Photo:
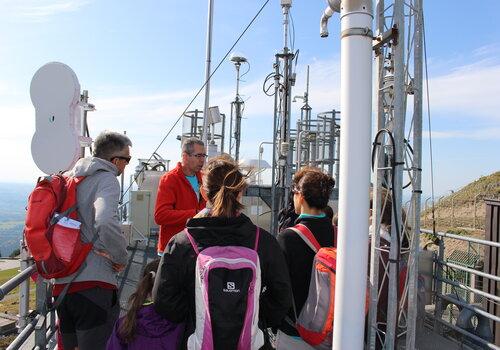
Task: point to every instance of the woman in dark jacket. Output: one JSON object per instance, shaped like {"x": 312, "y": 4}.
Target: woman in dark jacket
{"x": 221, "y": 225}
{"x": 311, "y": 191}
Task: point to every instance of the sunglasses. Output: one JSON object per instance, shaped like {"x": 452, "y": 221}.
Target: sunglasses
{"x": 198, "y": 155}
{"x": 126, "y": 159}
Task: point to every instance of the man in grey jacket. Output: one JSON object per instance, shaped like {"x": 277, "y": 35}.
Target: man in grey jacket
{"x": 90, "y": 308}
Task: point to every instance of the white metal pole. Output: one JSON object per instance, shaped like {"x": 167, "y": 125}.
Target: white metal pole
{"x": 204, "y": 134}
{"x": 356, "y": 105}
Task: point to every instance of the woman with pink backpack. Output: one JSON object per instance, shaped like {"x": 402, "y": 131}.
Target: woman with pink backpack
{"x": 223, "y": 276}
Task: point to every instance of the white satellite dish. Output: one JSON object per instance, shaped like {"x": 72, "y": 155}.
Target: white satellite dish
{"x": 55, "y": 94}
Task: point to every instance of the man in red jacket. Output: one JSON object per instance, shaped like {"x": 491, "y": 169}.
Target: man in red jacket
{"x": 179, "y": 192}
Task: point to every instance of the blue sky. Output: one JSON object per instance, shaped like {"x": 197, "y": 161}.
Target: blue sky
{"x": 143, "y": 61}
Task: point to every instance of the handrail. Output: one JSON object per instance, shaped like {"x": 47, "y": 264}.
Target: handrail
{"x": 467, "y": 334}
{"x": 466, "y": 269}
{"x": 477, "y": 310}
{"x": 15, "y": 281}
{"x": 470, "y": 289}
{"x": 437, "y": 290}
{"x": 26, "y": 332}
{"x": 462, "y": 238}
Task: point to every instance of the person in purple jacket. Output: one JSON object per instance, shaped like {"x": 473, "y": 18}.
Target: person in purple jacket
{"x": 142, "y": 327}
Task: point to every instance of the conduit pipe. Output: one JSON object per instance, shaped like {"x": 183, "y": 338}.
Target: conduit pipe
{"x": 356, "y": 105}
{"x": 333, "y": 6}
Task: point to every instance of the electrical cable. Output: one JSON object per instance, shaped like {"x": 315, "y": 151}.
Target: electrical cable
{"x": 393, "y": 165}
{"x": 199, "y": 91}
{"x": 248, "y": 70}
{"x": 296, "y": 58}
{"x": 429, "y": 121}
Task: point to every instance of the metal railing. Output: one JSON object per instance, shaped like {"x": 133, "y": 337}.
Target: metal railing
{"x": 15, "y": 281}
{"x": 456, "y": 213}
{"x": 42, "y": 320}
{"x": 466, "y": 311}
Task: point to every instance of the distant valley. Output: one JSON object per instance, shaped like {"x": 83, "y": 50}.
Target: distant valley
{"x": 13, "y": 199}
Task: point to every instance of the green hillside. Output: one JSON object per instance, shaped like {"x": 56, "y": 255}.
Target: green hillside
{"x": 463, "y": 210}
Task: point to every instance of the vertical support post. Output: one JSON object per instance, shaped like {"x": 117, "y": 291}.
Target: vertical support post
{"x": 122, "y": 185}
{"x": 230, "y": 147}
{"x": 417, "y": 179}
{"x": 236, "y": 112}
{"x": 331, "y": 144}
{"x": 274, "y": 210}
{"x": 398, "y": 132}
{"x": 355, "y": 99}
{"x": 286, "y": 148}
{"x": 322, "y": 138}
{"x": 237, "y": 132}
{"x": 83, "y": 128}
{"x": 41, "y": 307}
{"x": 453, "y": 210}
{"x": 337, "y": 157}
{"x": 24, "y": 289}
{"x": 376, "y": 210}
{"x": 438, "y": 273}
{"x": 204, "y": 134}
{"x": 223, "y": 133}
{"x": 475, "y": 211}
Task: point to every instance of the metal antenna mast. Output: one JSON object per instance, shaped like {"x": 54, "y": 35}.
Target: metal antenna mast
{"x": 282, "y": 156}
{"x": 204, "y": 134}
{"x": 236, "y": 110}
{"x": 305, "y": 110}
{"x": 398, "y": 50}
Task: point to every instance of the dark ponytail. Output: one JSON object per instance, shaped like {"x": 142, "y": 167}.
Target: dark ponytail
{"x": 127, "y": 329}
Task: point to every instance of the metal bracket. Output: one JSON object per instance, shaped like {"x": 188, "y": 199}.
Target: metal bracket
{"x": 357, "y": 31}
{"x": 381, "y": 40}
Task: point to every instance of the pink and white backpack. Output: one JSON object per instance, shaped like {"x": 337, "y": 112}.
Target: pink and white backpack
{"x": 228, "y": 285}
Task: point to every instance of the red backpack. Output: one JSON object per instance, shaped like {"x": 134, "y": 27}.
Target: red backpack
{"x": 52, "y": 232}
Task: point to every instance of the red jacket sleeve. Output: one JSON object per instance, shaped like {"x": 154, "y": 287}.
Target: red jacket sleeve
{"x": 165, "y": 212}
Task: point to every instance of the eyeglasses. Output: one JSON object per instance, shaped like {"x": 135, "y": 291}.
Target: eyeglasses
{"x": 126, "y": 159}
{"x": 295, "y": 190}
{"x": 198, "y": 155}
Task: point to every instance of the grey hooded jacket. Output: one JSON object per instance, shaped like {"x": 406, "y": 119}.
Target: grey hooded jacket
{"x": 97, "y": 198}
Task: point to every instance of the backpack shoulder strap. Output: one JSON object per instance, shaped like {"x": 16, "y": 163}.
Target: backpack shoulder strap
{"x": 192, "y": 241}
{"x": 334, "y": 228}
{"x": 257, "y": 235}
{"x": 307, "y": 236}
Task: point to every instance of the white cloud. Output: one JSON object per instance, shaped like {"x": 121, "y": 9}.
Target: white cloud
{"x": 487, "y": 51}
{"x": 40, "y": 10}
{"x": 470, "y": 90}
{"x": 473, "y": 134}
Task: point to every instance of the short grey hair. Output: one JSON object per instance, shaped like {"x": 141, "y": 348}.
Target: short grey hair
{"x": 188, "y": 144}
{"x": 108, "y": 144}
